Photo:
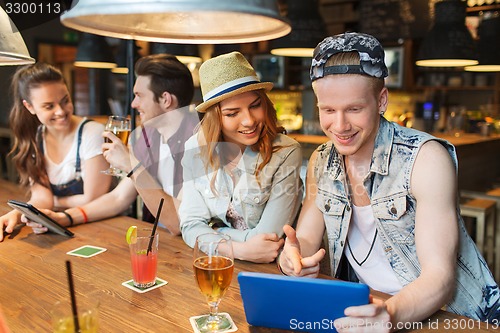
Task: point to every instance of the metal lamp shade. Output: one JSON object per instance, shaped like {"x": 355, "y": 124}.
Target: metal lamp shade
{"x": 186, "y": 53}
{"x": 449, "y": 43}
{"x": 13, "y": 50}
{"x": 94, "y": 52}
{"x": 489, "y": 44}
{"x": 308, "y": 29}
{"x": 179, "y": 21}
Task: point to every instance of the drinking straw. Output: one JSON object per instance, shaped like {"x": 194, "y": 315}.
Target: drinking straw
{"x": 154, "y": 226}
{"x": 72, "y": 294}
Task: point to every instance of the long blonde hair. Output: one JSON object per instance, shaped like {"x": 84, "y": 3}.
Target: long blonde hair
{"x": 211, "y": 130}
{"x": 25, "y": 151}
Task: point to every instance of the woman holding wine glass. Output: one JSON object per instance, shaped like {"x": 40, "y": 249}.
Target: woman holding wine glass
{"x": 57, "y": 154}
{"x": 241, "y": 175}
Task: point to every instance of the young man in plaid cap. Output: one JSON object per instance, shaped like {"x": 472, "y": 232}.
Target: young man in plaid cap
{"x": 387, "y": 198}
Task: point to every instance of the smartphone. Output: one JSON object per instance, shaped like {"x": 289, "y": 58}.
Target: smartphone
{"x": 37, "y": 216}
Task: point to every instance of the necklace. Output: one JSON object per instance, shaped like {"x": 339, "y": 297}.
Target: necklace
{"x": 369, "y": 252}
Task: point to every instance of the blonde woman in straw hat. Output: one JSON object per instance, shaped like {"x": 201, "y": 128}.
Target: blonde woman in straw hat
{"x": 241, "y": 173}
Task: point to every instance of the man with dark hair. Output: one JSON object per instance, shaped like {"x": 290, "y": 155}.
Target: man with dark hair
{"x": 163, "y": 90}
{"x": 386, "y": 196}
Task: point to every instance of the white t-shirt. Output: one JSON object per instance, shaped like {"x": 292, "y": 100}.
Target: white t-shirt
{"x": 91, "y": 146}
{"x": 376, "y": 271}
{"x": 166, "y": 169}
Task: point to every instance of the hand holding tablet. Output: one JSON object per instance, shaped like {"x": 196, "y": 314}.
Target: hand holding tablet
{"x": 288, "y": 302}
{"x": 37, "y": 216}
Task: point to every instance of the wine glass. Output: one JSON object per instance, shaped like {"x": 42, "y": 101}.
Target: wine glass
{"x": 119, "y": 126}
{"x": 213, "y": 265}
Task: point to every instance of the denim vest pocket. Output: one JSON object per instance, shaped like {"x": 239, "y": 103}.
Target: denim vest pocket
{"x": 391, "y": 212}
{"x": 333, "y": 209}
{"x": 390, "y": 208}
{"x": 329, "y": 204}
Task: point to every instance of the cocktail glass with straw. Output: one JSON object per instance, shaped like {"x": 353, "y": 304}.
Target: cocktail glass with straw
{"x": 144, "y": 254}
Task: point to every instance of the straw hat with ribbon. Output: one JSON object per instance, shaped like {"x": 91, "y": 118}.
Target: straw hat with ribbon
{"x": 225, "y": 76}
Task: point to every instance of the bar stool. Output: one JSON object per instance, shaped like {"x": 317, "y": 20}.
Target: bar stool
{"x": 493, "y": 195}
{"x": 483, "y": 211}
{"x": 494, "y": 192}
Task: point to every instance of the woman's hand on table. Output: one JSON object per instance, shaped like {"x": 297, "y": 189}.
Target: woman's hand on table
{"x": 9, "y": 221}
{"x": 59, "y": 217}
{"x": 261, "y": 248}
{"x": 37, "y": 227}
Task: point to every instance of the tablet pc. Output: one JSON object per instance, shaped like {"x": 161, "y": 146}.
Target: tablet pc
{"x": 37, "y": 216}
{"x": 297, "y": 303}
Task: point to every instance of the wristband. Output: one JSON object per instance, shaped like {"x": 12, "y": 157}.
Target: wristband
{"x": 134, "y": 170}
{"x": 69, "y": 218}
{"x": 85, "y": 218}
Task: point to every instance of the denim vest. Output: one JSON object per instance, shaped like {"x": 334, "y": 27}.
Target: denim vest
{"x": 396, "y": 148}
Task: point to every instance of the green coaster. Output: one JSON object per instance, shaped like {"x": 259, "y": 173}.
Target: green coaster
{"x": 198, "y": 321}
{"x": 130, "y": 284}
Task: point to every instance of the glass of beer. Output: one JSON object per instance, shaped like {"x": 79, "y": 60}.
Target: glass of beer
{"x": 119, "y": 126}
{"x": 63, "y": 320}
{"x": 213, "y": 265}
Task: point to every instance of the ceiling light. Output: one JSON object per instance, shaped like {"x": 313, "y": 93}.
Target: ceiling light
{"x": 121, "y": 56}
{"x": 94, "y": 52}
{"x": 179, "y": 21}
{"x": 13, "y": 50}
{"x": 308, "y": 29}
{"x": 488, "y": 45}
{"x": 449, "y": 43}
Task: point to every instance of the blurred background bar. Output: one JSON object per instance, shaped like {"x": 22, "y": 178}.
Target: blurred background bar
{"x": 458, "y": 103}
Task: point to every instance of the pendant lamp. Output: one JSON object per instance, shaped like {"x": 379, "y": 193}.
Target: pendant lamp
{"x": 179, "y": 21}
{"x": 94, "y": 52}
{"x": 488, "y": 45}
{"x": 308, "y": 29}
{"x": 121, "y": 56}
{"x": 13, "y": 50}
{"x": 449, "y": 43}
{"x": 186, "y": 53}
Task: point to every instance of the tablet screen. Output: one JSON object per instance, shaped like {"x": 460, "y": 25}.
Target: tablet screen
{"x": 37, "y": 216}
{"x": 297, "y": 303}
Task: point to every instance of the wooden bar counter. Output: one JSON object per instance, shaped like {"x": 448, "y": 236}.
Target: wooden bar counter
{"x": 34, "y": 277}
